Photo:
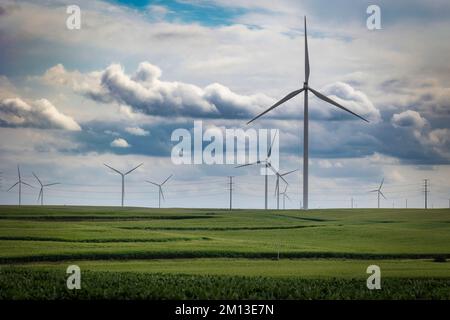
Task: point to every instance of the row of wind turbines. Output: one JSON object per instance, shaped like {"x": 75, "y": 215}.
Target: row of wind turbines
{"x": 40, "y": 198}
{"x": 280, "y": 177}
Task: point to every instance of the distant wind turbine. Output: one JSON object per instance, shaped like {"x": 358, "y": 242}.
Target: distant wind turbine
{"x": 41, "y": 192}
{"x": 267, "y": 165}
{"x": 160, "y": 193}
{"x": 284, "y": 194}
{"x": 277, "y": 185}
{"x": 20, "y": 183}
{"x": 123, "y": 177}
{"x": 291, "y": 95}
{"x": 378, "y": 191}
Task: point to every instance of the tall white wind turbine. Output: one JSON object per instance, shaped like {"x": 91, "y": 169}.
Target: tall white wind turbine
{"x": 19, "y": 183}
{"x": 267, "y": 165}
{"x": 123, "y": 177}
{"x": 41, "y": 192}
{"x": 378, "y": 191}
{"x": 291, "y": 95}
{"x": 160, "y": 191}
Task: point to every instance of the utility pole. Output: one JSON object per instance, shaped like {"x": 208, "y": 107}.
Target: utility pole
{"x": 266, "y": 188}
{"x": 426, "y": 191}
{"x": 231, "y": 191}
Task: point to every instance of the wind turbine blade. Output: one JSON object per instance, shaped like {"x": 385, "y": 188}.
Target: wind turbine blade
{"x": 37, "y": 178}
{"x": 288, "y": 97}
{"x": 162, "y": 193}
{"x": 15, "y": 184}
{"x": 51, "y": 184}
{"x": 306, "y": 55}
{"x": 113, "y": 169}
{"x": 271, "y": 145}
{"x": 326, "y": 99}
{"x": 26, "y": 184}
{"x": 382, "y": 195}
{"x": 374, "y": 190}
{"x": 248, "y": 164}
{"x": 281, "y": 177}
{"x": 167, "y": 179}
{"x": 18, "y": 171}
{"x": 285, "y": 174}
{"x": 269, "y": 165}
{"x": 152, "y": 183}
{"x": 132, "y": 169}
{"x": 287, "y": 196}
{"x": 382, "y": 181}
{"x": 277, "y": 186}
{"x": 40, "y": 194}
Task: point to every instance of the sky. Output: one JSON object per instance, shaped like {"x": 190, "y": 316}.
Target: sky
{"x": 116, "y": 89}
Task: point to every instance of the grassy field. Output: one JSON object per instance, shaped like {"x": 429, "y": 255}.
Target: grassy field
{"x": 318, "y": 254}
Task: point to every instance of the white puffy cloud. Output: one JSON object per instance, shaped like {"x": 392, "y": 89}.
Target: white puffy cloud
{"x": 145, "y": 92}
{"x": 120, "y": 143}
{"x": 42, "y": 114}
{"x": 355, "y": 100}
{"x": 409, "y": 118}
{"x": 137, "y": 131}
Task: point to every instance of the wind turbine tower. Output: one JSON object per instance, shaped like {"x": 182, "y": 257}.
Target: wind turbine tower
{"x": 378, "y": 191}
{"x": 160, "y": 191}
{"x": 277, "y": 185}
{"x": 19, "y": 183}
{"x": 284, "y": 194}
{"x": 41, "y": 192}
{"x": 306, "y": 88}
{"x": 267, "y": 165}
{"x": 123, "y": 177}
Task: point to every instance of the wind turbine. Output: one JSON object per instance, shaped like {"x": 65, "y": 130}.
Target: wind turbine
{"x": 378, "y": 191}
{"x": 267, "y": 165}
{"x": 277, "y": 185}
{"x": 160, "y": 193}
{"x": 123, "y": 177}
{"x": 284, "y": 194}
{"x": 291, "y": 95}
{"x": 41, "y": 192}
{"x": 20, "y": 183}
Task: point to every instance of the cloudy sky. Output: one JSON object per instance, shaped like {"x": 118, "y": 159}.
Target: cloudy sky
{"x": 115, "y": 90}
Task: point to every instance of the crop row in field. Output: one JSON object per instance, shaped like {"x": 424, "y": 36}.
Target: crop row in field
{"x": 44, "y": 285}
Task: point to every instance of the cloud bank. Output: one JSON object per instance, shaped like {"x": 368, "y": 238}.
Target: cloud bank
{"x": 41, "y": 114}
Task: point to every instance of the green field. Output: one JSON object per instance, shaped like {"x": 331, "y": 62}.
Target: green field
{"x": 217, "y": 254}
